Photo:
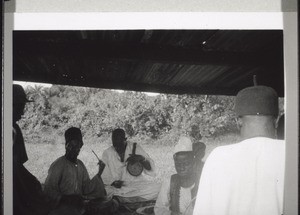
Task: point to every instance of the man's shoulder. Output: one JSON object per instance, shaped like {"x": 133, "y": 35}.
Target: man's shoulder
{"x": 62, "y": 162}
{"x": 229, "y": 151}
{"x": 79, "y": 162}
{"x": 58, "y": 162}
{"x": 221, "y": 154}
{"x": 223, "y": 149}
{"x": 279, "y": 142}
{"x": 262, "y": 141}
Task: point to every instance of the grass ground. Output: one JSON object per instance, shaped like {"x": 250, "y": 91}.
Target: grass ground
{"x": 42, "y": 155}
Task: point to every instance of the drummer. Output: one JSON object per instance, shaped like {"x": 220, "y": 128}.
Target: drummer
{"x": 177, "y": 192}
{"x": 128, "y": 187}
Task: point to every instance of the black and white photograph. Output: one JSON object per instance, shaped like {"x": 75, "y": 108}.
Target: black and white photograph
{"x": 149, "y": 121}
{"x": 165, "y": 90}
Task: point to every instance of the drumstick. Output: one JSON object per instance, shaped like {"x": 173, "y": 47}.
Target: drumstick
{"x": 100, "y": 163}
{"x": 96, "y": 155}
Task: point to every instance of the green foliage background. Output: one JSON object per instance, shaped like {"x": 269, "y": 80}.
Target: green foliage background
{"x": 155, "y": 122}
{"x": 147, "y": 118}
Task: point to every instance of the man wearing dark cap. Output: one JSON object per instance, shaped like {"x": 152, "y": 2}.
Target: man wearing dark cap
{"x": 247, "y": 177}
{"x": 68, "y": 182}
{"x": 28, "y": 198}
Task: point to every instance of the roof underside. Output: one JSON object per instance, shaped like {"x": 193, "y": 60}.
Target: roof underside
{"x": 219, "y": 62}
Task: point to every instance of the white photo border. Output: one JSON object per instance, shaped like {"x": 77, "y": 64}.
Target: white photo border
{"x": 286, "y": 21}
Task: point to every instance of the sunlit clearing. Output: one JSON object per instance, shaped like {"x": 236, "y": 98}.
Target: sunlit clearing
{"x": 152, "y": 94}
{"x": 119, "y": 91}
{"x": 147, "y": 93}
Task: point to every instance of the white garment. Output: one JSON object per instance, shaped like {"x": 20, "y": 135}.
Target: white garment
{"x": 162, "y": 205}
{"x": 133, "y": 185}
{"x": 246, "y": 178}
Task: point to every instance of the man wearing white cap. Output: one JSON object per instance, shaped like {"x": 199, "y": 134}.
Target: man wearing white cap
{"x": 177, "y": 193}
{"x": 246, "y": 178}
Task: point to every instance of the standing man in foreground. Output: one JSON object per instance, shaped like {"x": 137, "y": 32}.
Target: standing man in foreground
{"x": 28, "y": 198}
{"x": 248, "y": 177}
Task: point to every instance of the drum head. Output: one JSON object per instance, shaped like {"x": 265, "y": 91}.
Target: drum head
{"x": 135, "y": 169}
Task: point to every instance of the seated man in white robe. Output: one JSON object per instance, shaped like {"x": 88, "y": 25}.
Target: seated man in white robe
{"x": 178, "y": 192}
{"x": 127, "y": 186}
{"x": 68, "y": 182}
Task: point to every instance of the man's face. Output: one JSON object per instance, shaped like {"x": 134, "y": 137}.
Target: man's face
{"x": 18, "y": 111}
{"x": 119, "y": 143}
{"x": 184, "y": 162}
{"x": 73, "y": 148}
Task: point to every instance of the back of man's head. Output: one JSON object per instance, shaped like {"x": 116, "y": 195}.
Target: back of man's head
{"x": 257, "y": 100}
{"x": 19, "y": 95}
{"x": 19, "y": 101}
{"x": 258, "y": 108}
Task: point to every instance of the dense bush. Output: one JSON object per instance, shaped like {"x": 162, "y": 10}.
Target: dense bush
{"x": 98, "y": 111}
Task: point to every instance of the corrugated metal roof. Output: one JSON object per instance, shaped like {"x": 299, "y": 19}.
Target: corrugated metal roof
{"x": 167, "y": 61}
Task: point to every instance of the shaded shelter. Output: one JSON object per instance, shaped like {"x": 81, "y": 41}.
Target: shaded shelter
{"x": 216, "y": 62}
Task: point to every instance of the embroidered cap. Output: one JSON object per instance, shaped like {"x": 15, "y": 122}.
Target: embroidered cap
{"x": 184, "y": 145}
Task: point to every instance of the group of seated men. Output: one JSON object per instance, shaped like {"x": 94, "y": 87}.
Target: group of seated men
{"x": 68, "y": 182}
{"x": 68, "y": 186}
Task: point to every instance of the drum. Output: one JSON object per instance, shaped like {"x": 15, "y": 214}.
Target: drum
{"x": 134, "y": 168}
